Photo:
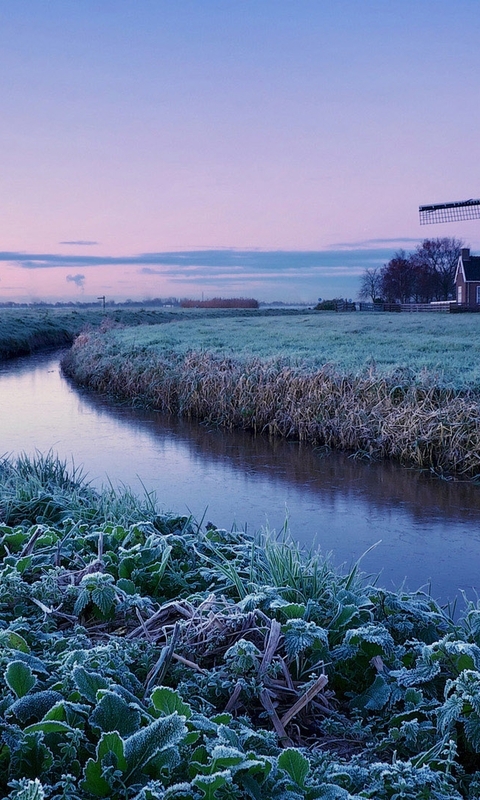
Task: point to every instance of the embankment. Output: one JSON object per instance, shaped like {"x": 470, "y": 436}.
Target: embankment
{"x": 27, "y": 330}
{"x": 376, "y": 416}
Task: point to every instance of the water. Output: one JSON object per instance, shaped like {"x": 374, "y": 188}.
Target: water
{"x": 426, "y": 531}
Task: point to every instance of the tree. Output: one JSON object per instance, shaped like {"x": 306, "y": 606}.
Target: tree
{"x": 422, "y": 276}
{"x": 398, "y": 279}
{"x": 371, "y": 284}
{"x": 438, "y": 258}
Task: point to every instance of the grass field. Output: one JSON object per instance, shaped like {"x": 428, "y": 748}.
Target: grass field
{"x": 378, "y": 386}
{"x": 446, "y": 345}
{"x": 25, "y": 330}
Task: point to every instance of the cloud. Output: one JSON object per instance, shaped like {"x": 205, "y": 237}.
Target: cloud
{"x": 78, "y": 279}
{"x": 401, "y": 240}
{"x": 257, "y": 260}
{"x": 82, "y": 242}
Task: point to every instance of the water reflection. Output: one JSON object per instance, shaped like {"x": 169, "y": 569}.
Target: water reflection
{"x": 429, "y": 529}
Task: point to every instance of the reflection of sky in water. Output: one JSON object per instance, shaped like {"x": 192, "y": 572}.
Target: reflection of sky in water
{"x": 429, "y": 530}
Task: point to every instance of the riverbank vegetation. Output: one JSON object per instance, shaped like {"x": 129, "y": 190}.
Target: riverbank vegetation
{"x": 146, "y": 657}
{"x": 377, "y": 387}
{"x": 26, "y": 330}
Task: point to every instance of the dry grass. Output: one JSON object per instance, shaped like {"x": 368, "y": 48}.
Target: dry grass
{"x": 398, "y": 416}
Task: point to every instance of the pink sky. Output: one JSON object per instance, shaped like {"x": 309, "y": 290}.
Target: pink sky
{"x": 266, "y": 125}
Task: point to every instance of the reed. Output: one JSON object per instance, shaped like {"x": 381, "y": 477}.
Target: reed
{"x": 400, "y": 415}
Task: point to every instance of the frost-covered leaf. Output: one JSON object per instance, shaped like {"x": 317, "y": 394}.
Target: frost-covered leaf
{"x": 19, "y": 678}
{"x": 167, "y": 701}
{"x": 295, "y": 764}
{"x": 48, "y": 726}
{"x": 88, "y": 683}
{"x": 34, "y": 706}
{"x": 147, "y": 743}
{"x": 299, "y": 635}
{"x": 376, "y": 635}
{"x": 112, "y": 713}
{"x": 110, "y": 749}
{"x": 423, "y": 672}
{"x": 209, "y": 784}
{"x": 472, "y": 730}
{"x": 375, "y": 697}
{"x": 449, "y": 713}
{"x": 13, "y": 640}
{"x": 33, "y": 790}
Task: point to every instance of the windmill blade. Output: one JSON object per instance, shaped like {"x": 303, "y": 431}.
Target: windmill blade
{"x": 450, "y": 212}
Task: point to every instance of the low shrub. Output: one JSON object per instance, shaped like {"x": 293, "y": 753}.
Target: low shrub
{"x": 156, "y": 659}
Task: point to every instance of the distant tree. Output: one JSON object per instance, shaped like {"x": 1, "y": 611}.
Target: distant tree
{"x": 398, "y": 279}
{"x": 371, "y": 284}
{"x": 437, "y": 259}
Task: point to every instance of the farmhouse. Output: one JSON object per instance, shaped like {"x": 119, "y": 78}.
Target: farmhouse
{"x": 467, "y": 279}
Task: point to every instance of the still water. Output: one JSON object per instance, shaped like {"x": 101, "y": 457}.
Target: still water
{"x": 426, "y": 531}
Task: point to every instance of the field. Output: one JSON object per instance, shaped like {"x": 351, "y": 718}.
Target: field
{"x": 380, "y": 386}
{"x": 146, "y": 658}
{"x": 447, "y": 346}
{"x": 25, "y": 330}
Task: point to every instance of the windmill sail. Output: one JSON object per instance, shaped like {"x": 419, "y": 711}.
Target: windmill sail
{"x": 450, "y": 212}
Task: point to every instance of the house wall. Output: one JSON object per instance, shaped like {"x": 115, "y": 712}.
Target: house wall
{"x": 469, "y": 290}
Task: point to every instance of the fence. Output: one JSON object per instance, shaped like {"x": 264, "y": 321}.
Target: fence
{"x": 443, "y": 306}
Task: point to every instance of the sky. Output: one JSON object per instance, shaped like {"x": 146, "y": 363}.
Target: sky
{"x": 259, "y": 148}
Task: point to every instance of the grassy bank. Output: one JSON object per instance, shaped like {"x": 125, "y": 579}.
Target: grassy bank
{"x": 26, "y": 330}
{"x": 252, "y": 373}
{"x": 145, "y": 657}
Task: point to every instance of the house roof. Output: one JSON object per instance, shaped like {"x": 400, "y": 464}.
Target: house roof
{"x": 471, "y": 268}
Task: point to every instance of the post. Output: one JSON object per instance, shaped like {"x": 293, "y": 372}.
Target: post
{"x": 102, "y": 298}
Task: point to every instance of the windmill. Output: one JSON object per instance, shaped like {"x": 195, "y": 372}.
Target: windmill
{"x": 449, "y": 212}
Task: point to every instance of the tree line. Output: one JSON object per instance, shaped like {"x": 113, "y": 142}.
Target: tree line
{"x": 426, "y": 274}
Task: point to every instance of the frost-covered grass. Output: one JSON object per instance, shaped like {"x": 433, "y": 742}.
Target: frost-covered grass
{"x": 447, "y": 345}
{"x": 25, "y": 330}
{"x": 415, "y": 418}
{"x": 149, "y": 658}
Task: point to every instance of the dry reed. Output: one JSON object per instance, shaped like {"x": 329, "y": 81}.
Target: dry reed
{"x": 399, "y": 416}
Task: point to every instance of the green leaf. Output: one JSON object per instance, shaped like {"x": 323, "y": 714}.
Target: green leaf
{"x": 126, "y": 586}
{"x": 88, "y": 683}
{"x": 295, "y": 764}
{"x": 48, "y": 726}
{"x": 104, "y": 598}
{"x": 114, "y": 714}
{"x": 19, "y": 678}
{"x": 110, "y": 745}
{"x": 147, "y": 743}
{"x": 167, "y": 701}
{"x": 34, "y": 706}
{"x": 375, "y": 697}
{"x": 208, "y": 784}
{"x": 14, "y": 641}
{"x": 472, "y": 731}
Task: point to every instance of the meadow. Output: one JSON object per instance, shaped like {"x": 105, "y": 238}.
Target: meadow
{"x": 446, "y": 346}
{"x": 147, "y": 658}
{"x": 394, "y": 386}
{"x": 26, "y": 330}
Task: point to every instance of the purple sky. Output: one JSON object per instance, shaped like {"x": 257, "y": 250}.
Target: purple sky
{"x": 266, "y": 148}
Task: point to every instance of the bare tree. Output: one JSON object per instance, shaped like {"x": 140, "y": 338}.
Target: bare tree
{"x": 439, "y": 259}
{"x": 371, "y": 284}
{"x": 399, "y": 279}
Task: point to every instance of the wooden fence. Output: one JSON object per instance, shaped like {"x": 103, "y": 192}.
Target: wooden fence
{"x": 443, "y": 307}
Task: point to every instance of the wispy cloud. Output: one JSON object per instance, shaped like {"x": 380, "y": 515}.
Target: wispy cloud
{"x": 78, "y": 279}
{"x": 368, "y": 243}
{"x": 257, "y": 260}
{"x": 81, "y": 242}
